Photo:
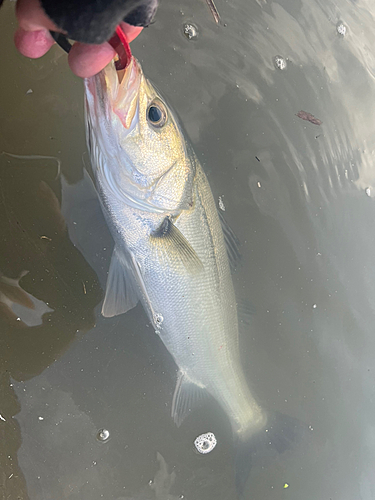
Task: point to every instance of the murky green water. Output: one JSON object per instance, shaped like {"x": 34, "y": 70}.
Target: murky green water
{"x": 299, "y": 196}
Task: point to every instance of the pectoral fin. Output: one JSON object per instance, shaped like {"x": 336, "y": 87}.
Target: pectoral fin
{"x": 122, "y": 291}
{"x": 186, "y": 395}
{"x": 172, "y": 246}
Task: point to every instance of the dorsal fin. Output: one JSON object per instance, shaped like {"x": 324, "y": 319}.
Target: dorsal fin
{"x": 231, "y": 242}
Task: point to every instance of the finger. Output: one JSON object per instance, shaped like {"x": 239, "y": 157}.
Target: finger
{"x": 31, "y": 16}
{"x": 87, "y": 60}
{"x": 33, "y": 44}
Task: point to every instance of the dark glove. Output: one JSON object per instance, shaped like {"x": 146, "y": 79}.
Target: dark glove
{"x": 94, "y": 21}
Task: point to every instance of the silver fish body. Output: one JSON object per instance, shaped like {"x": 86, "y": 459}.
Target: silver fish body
{"x": 170, "y": 251}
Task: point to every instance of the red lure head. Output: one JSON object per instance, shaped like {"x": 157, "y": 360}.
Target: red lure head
{"x": 122, "y": 47}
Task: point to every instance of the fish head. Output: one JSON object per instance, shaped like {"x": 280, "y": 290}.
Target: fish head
{"x": 136, "y": 145}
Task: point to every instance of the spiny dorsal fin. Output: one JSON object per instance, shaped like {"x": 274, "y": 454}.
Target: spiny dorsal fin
{"x": 245, "y": 312}
{"x": 231, "y": 242}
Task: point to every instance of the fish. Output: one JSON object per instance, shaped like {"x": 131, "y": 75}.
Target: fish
{"x": 169, "y": 251}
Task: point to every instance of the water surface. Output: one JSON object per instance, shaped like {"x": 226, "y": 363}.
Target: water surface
{"x": 300, "y": 198}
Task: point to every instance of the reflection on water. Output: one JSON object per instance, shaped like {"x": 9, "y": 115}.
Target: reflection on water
{"x": 18, "y": 305}
{"x": 300, "y": 197}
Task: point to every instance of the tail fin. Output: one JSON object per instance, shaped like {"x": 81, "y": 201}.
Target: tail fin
{"x": 279, "y": 435}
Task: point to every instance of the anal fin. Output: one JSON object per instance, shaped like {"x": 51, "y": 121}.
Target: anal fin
{"x": 186, "y": 395}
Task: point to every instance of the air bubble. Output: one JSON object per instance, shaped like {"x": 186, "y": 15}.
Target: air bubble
{"x": 205, "y": 443}
{"x": 341, "y": 28}
{"x": 279, "y": 62}
{"x": 103, "y": 435}
{"x": 158, "y": 320}
{"x": 368, "y": 191}
{"x": 190, "y": 31}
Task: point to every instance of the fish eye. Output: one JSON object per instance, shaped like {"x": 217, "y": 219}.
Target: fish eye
{"x": 157, "y": 114}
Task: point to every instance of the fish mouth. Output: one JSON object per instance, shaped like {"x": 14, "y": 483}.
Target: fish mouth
{"x": 115, "y": 91}
{"x": 125, "y": 103}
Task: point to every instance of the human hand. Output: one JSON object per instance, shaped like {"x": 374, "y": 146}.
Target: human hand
{"x": 33, "y": 39}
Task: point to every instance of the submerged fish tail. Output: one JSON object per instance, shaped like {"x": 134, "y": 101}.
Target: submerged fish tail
{"x": 280, "y": 434}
